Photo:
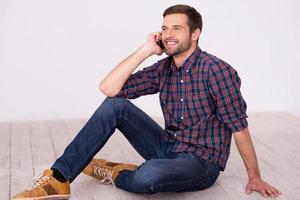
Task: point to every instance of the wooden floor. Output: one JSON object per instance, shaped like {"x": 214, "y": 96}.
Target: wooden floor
{"x": 27, "y": 148}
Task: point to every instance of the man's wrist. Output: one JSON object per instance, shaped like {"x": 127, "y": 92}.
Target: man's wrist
{"x": 145, "y": 50}
{"x": 254, "y": 177}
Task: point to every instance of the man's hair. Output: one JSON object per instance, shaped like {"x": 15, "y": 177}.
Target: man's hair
{"x": 194, "y": 17}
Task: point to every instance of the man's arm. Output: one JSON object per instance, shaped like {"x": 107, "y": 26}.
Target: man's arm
{"x": 116, "y": 78}
{"x": 246, "y": 149}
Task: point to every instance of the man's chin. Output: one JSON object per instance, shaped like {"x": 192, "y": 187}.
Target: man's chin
{"x": 171, "y": 53}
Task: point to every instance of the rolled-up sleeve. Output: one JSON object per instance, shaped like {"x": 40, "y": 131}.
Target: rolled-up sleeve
{"x": 224, "y": 86}
{"x": 143, "y": 82}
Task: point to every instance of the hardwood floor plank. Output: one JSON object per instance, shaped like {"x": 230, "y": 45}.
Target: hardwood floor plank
{"x": 21, "y": 166}
{"x": 280, "y": 163}
{"x": 42, "y": 149}
{"x": 280, "y": 144}
{"x": 4, "y": 160}
{"x": 275, "y": 123}
{"x": 60, "y": 135}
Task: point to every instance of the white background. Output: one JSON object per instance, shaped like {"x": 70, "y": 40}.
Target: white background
{"x": 53, "y": 53}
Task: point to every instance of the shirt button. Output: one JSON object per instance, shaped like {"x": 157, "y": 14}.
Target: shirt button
{"x": 175, "y": 134}
{"x": 181, "y": 117}
{"x": 181, "y": 81}
{"x": 187, "y": 70}
{"x": 181, "y": 99}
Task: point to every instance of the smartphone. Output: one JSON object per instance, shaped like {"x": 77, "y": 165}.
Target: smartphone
{"x": 160, "y": 44}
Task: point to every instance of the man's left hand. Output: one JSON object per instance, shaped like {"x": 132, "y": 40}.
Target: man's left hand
{"x": 262, "y": 187}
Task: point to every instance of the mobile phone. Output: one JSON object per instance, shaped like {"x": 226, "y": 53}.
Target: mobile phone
{"x": 160, "y": 44}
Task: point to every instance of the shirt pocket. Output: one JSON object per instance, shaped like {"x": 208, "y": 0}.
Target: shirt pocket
{"x": 198, "y": 108}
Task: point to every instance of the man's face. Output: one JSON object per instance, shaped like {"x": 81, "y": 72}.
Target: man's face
{"x": 176, "y": 35}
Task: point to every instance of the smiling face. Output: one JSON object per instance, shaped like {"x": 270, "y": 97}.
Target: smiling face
{"x": 176, "y": 35}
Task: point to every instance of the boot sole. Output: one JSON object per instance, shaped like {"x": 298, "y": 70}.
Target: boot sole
{"x": 52, "y": 197}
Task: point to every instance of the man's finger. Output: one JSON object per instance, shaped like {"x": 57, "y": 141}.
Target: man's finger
{"x": 275, "y": 191}
{"x": 157, "y": 35}
{"x": 271, "y": 192}
{"x": 264, "y": 193}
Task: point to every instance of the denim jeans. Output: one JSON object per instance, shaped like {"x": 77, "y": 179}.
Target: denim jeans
{"x": 162, "y": 171}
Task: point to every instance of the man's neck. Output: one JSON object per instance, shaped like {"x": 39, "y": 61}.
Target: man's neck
{"x": 180, "y": 58}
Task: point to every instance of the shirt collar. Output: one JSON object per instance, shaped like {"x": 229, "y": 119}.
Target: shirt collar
{"x": 188, "y": 63}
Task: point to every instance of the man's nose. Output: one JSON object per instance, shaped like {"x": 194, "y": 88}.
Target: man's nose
{"x": 167, "y": 34}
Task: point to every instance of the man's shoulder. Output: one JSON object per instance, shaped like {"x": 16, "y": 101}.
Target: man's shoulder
{"x": 212, "y": 59}
{"x": 215, "y": 63}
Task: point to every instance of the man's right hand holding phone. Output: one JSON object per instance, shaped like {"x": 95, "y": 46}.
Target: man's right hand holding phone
{"x": 154, "y": 43}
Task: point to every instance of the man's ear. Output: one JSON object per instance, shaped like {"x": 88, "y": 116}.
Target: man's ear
{"x": 196, "y": 34}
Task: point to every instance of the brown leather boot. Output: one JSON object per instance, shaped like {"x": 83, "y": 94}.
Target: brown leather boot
{"x": 45, "y": 187}
{"x": 106, "y": 171}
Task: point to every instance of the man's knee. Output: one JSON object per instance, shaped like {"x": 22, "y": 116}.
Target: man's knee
{"x": 148, "y": 180}
{"x": 116, "y": 101}
{"x": 113, "y": 103}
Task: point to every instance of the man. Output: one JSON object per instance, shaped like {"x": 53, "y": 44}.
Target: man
{"x": 202, "y": 106}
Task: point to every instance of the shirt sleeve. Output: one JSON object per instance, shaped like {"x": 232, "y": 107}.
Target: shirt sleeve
{"x": 224, "y": 86}
{"x": 143, "y": 82}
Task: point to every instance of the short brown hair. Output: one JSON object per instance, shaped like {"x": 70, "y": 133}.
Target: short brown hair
{"x": 194, "y": 17}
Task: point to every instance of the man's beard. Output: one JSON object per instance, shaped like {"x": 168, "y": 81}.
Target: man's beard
{"x": 180, "y": 49}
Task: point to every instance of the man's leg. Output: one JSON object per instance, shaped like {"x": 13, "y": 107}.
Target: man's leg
{"x": 142, "y": 132}
{"x": 145, "y": 135}
{"x": 178, "y": 172}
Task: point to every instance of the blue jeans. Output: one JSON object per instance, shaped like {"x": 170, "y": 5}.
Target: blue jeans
{"x": 163, "y": 170}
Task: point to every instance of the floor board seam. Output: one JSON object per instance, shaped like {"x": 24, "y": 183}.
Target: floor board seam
{"x": 9, "y": 162}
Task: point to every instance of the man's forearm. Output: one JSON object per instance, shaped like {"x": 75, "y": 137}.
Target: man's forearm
{"x": 116, "y": 78}
{"x": 247, "y": 152}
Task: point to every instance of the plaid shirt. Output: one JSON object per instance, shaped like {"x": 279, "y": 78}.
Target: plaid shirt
{"x": 201, "y": 103}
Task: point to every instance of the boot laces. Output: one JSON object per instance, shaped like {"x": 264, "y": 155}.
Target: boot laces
{"x": 38, "y": 181}
{"x": 105, "y": 174}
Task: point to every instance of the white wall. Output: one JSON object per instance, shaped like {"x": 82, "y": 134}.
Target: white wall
{"x": 53, "y": 53}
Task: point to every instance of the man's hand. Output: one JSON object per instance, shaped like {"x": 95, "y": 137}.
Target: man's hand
{"x": 151, "y": 44}
{"x": 262, "y": 187}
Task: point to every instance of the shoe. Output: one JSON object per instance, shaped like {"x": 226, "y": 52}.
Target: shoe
{"x": 106, "y": 171}
{"x": 45, "y": 187}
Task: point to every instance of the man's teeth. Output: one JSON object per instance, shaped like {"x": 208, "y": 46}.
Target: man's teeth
{"x": 171, "y": 43}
